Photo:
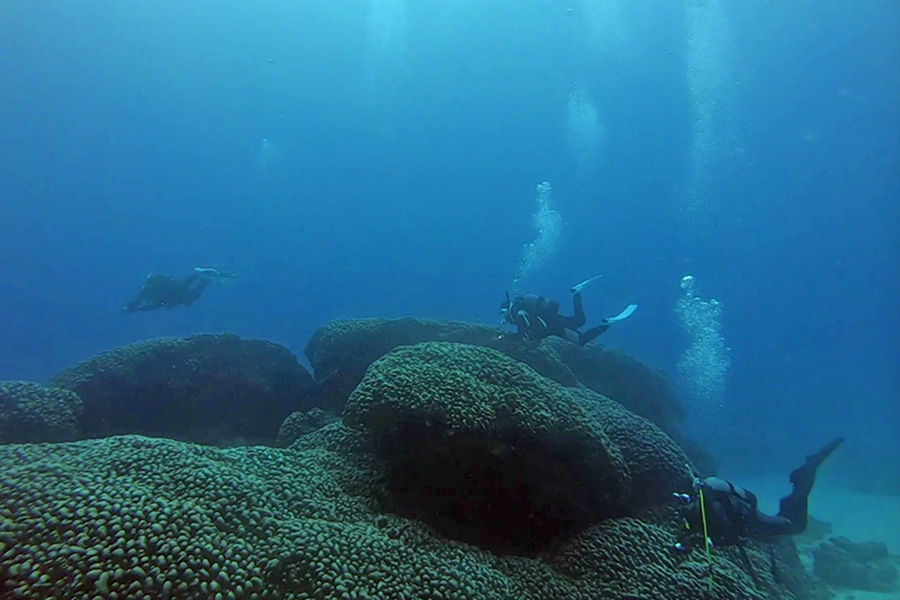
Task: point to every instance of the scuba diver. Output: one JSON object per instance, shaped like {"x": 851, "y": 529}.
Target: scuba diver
{"x": 162, "y": 291}
{"x": 537, "y": 317}
{"x": 724, "y": 514}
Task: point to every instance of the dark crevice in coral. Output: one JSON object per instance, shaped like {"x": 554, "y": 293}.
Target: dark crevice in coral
{"x": 509, "y": 495}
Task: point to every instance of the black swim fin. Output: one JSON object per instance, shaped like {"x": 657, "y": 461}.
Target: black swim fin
{"x": 804, "y": 477}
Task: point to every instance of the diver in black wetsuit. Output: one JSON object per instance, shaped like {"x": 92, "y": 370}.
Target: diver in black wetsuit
{"x": 732, "y": 515}
{"x": 162, "y": 291}
{"x": 537, "y": 317}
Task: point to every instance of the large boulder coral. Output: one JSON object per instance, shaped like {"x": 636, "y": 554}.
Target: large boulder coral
{"x": 137, "y": 518}
{"x": 488, "y": 450}
{"x": 30, "y": 412}
{"x": 213, "y": 389}
{"x": 634, "y": 385}
{"x": 341, "y": 351}
{"x": 639, "y": 388}
{"x": 656, "y": 464}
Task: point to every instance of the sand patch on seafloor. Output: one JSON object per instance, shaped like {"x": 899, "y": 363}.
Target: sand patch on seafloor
{"x": 840, "y": 594}
{"x": 857, "y": 516}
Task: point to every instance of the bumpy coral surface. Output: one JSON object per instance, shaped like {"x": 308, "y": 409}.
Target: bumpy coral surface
{"x": 216, "y": 389}
{"x": 341, "y": 351}
{"x": 636, "y": 386}
{"x": 30, "y": 412}
{"x": 300, "y": 423}
{"x": 138, "y": 518}
{"x": 466, "y": 476}
{"x": 501, "y": 456}
{"x": 657, "y": 466}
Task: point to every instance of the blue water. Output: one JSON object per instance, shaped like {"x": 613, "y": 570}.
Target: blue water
{"x": 355, "y": 159}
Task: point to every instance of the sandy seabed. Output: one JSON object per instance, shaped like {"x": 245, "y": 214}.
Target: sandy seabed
{"x": 857, "y": 516}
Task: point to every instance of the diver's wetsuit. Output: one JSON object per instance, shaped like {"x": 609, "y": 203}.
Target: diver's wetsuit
{"x": 732, "y": 515}
{"x": 537, "y": 317}
{"x": 162, "y": 291}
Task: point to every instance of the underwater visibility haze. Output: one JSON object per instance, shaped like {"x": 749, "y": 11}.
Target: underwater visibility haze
{"x": 730, "y": 168}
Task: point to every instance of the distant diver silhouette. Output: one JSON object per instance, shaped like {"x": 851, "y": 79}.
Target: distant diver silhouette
{"x": 162, "y": 291}
{"x": 537, "y": 317}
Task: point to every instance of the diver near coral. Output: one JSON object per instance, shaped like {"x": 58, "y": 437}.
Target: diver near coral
{"x": 162, "y": 291}
{"x": 537, "y": 317}
{"x": 723, "y": 514}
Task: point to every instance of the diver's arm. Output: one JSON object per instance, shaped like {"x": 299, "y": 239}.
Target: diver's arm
{"x": 524, "y": 325}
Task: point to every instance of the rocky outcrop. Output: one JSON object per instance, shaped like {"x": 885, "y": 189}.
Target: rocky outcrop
{"x": 528, "y": 460}
{"x": 860, "y": 566}
{"x": 211, "y": 389}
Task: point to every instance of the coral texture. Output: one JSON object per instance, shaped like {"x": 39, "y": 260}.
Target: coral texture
{"x": 137, "y": 518}
{"x": 490, "y": 451}
{"x": 214, "y": 389}
{"x": 31, "y": 413}
{"x": 341, "y": 351}
{"x": 464, "y": 474}
{"x": 632, "y": 384}
{"x": 300, "y": 423}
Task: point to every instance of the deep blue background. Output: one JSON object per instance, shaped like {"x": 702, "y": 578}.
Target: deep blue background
{"x": 405, "y": 173}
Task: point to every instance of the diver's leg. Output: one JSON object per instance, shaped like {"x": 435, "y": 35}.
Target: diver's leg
{"x": 570, "y": 335}
{"x": 591, "y": 334}
{"x": 576, "y": 320}
{"x": 794, "y": 506}
{"x": 768, "y": 525}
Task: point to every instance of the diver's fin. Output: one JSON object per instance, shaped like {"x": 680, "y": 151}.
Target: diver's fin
{"x": 804, "y": 477}
{"x": 210, "y": 272}
{"x": 629, "y": 310}
{"x": 824, "y": 452}
{"x": 580, "y": 286}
